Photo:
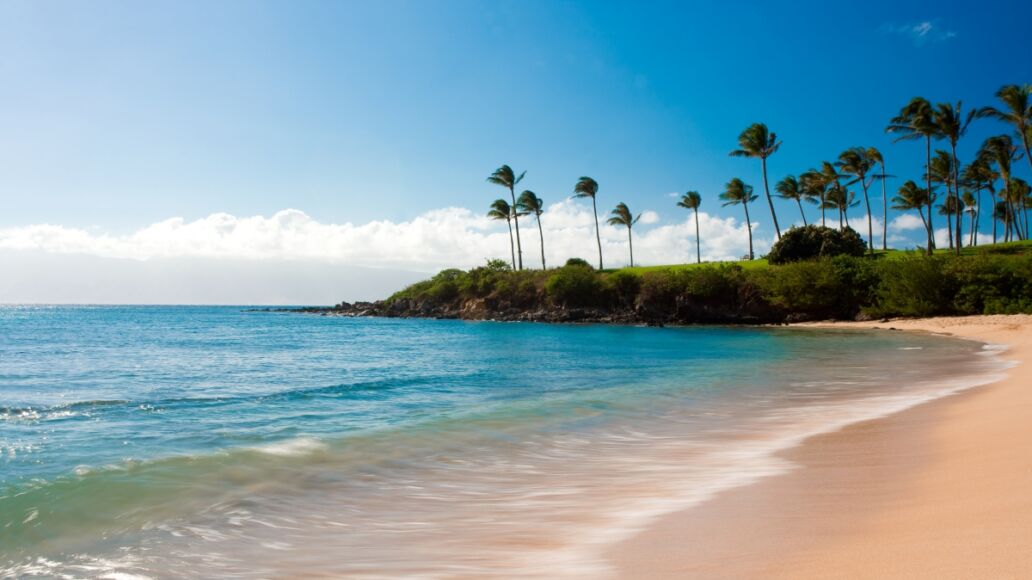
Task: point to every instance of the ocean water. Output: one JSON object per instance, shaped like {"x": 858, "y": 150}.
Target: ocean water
{"x": 186, "y": 442}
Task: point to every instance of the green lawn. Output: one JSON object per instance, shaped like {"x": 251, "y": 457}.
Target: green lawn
{"x": 1011, "y": 248}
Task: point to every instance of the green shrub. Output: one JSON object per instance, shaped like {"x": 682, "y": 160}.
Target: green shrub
{"x": 913, "y": 286}
{"x": 992, "y": 284}
{"x": 579, "y": 262}
{"x": 624, "y": 286}
{"x": 828, "y": 288}
{"x": 810, "y": 242}
{"x": 576, "y": 286}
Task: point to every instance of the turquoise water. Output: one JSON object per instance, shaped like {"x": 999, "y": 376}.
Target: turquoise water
{"x": 211, "y": 441}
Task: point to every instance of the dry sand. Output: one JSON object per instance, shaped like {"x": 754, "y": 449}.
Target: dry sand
{"x": 942, "y": 490}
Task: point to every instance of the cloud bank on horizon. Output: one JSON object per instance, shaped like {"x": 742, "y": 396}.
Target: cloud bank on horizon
{"x": 442, "y": 238}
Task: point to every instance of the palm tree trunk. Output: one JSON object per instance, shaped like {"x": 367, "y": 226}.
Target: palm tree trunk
{"x": 511, "y": 247}
{"x": 770, "y": 201}
{"x": 630, "y": 244}
{"x": 974, "y": 228}
{"x": 949, "y": 218}
{"x": 870, "y": 223}
{"x": 598, "y": 236}
{"x": 977, "y": 216}
{"x": 923, "y": 220}
{"x": 748, "y": 227}
{"x": 992, "y": 214}
{"x": 928, "y": 184}
{"x": 516, "y": 218}
{"x": 956, "y": 190}
{"x": 823, "y": 222}
{"x": 885, "y": 210}
{"x": 698, "y": 243}
{"x": 801, "y": 212}
{"x": 541, "y": 233}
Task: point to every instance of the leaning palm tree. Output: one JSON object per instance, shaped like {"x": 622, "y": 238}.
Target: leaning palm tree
{"x": 737, "y": 192}
{"x": 948, "y": 209}
{"x": 501, "y": 210}
{"x": 878, "y": 158}
{"x": 952, "y": 124}
{"x": 1017, "y": 110}
{"x": 1019, "y": 191}
{"x": 791, "y": 188}
{"x": 911, "y": 196}
{"x": 759, "y": 142}
{"x": 621, "y": 216}
{"x": 941, "y": 171}
{"x": 692, "y": 200}
{"x": 1002, "y": 214}
{"x": 1001, "y": 151}
{"x": 529, "y": 203}
{"x": 858, "y": 163}
{"x": 588, "y": 187}
{"x": 505, "y": 177}
{"x": 915, "y": 121}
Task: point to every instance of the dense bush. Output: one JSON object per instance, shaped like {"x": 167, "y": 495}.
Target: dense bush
{"x": 579, "y": 262}
{"x": 827, "y": 288}
{"x": 811, "y": 242}
{"x": 576, "y": 286}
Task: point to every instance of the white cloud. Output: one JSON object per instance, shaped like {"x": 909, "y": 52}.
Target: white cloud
{"x": 906, "y": 222}
{"x": 449, "y": 237}
{"x": 920, "y": 33}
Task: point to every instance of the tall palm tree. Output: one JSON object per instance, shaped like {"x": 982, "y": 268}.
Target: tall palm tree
{"x": 1001, "y": 151}
{"x": 1017, "y": 110}
{"x": 588, "y": 187}
{"x": 970, "y": 203}
{"x": 815, "y": 185}
{"x": 508, "y": 179}
{"x": 916, "y": 121}
{"x": 692, "y": 200}
{"x": 621, "y": 216}
{"x": 530, "y": 203}
{"x": 878, "y": 158}
{"x": 501, "y": 210}
{"x": 941, "y": 170}
{"x": 737, "y": 192}
{"x": 1019, "y": 191}
{"x": 857, "y": 162}
{"x": 1002, "y": 214}
{"x": 791, "y": 188}
{"x": 952, "y": 124}
{"x": 758, "y": 141}
{"x": 911, "y": 196}
{"x": 949, "y": 208}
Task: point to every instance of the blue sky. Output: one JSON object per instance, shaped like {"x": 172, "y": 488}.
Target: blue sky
{"x": 117, "y": 115}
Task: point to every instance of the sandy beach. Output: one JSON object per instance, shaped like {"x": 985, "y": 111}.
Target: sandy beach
{"x": 941, "y": 490}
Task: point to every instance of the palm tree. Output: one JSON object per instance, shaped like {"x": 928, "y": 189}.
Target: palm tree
{"x": 621, "y": 216}
{"x": 858, "y": 163}
{"x": 915, "y": 121}
{"x": 1019, "y": 191}
{"x": 941, "y": 170}
{"x": 792, "y": 188}
{"x": 692, "y": 200}
{"x": 815, "y": 185}
{"x": 588, "y": 187}
{"x": 501, "y": 210}
{"x": 949, "y": 208}
{"x": 912, "y": 196}
{"x": 952, "y": 124}
{"x": 971, "y": 206}
{"x": 737, "y": 192}
{"x": 1017, "y": 110}
{"x": 980, "y": 176}
{"x": 530, "y": 203}
{"x": 878, "y": 158}
{"x": 1002, "y": 213}
{"x": 1001, "y": 151}
{"x": 505, "y": 177}
{"x": 758, "y": 141}
{"x": 841, "y": 199}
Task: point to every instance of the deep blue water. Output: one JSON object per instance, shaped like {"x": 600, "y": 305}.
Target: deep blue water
{"x": 131, "y": 437}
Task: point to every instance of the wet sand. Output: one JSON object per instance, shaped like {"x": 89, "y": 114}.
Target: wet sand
{"x": 941, "y": 490}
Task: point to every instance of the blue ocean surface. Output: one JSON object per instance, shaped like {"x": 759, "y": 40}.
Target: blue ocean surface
{"x": 183, "y": 442}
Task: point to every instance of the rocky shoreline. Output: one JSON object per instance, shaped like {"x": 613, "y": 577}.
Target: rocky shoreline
{"x": 682, "y": 313}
